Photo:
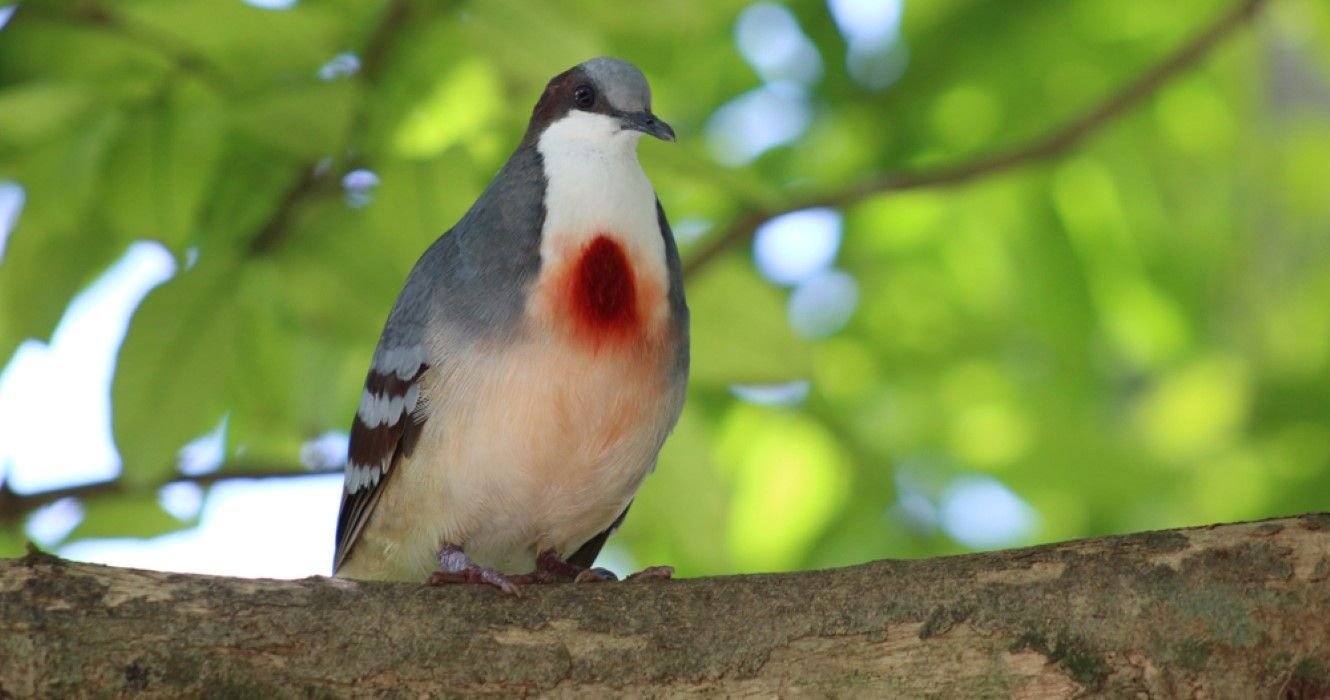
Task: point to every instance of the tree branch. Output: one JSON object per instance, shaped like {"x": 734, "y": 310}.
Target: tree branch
{"x": 96, "y": 14}
{"x": 15, "y": 506}
{"x": 278, "y": 224}
{"x": 1226, "y": 611}
{"x": 307, "y": 183}
{"x": 1057, "y": 142}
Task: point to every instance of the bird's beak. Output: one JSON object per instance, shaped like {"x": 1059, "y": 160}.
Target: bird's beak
{"x": 647, "y": 123}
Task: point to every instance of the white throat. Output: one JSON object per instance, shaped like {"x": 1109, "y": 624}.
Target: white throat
{"x": 595, "y": 187}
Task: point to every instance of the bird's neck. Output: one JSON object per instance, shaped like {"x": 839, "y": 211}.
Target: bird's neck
{"x": 602, "y": 253}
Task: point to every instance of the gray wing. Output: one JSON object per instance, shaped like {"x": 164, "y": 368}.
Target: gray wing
{"x": 386, "y": 427}
{"x": 678, "y": 304}
{"x": 472, "y": 281}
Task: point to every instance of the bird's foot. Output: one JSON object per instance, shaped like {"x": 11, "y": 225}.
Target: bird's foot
{"x": 595, "y": 574}
{"x": 475, "y": 574}
{"x": 652, "y": 572}
{"x": 548, "y": 562}
{"x": 552, "y": 569}
{"x": 456, "y": 567}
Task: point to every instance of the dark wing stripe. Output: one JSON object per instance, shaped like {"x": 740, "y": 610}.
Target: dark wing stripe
{"x": 586, "y": 555}
{"x": 387, "y": 384}
{"x": 371, "y": 447}
{"x": 386, "y": 427}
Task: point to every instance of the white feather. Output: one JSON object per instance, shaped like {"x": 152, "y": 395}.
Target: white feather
{"x": 595, "y": 186}
{"x": 402, "y": 361}
{"x": 352, "y": 478}
{"x": 359, "y": 476}
{"x": 377, "y": 409}
{"x": 411, "y": 399}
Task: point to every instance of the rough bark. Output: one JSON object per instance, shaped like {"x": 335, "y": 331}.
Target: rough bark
{"x": 1229, "y": 611}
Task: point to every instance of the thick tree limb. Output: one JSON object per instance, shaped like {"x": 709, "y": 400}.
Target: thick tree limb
{"x": 1060, "y": 140}
{"x": 1226, "y": 611}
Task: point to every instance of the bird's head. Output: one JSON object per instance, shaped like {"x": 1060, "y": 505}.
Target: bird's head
{"x": 603, "y": 99}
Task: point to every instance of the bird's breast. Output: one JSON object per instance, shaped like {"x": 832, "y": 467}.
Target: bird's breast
{"x": 603, "y": 276}
{"x": 600, "y": 297}
{"x": 603, "y": 285}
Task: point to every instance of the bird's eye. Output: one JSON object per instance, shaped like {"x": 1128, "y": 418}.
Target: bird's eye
{"x": 584, "y": 96}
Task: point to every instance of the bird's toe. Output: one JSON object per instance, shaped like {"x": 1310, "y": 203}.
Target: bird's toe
{"x": 474, "y": 574}
{"x": 595, "y": 575}
{"x": 652, "y": 572}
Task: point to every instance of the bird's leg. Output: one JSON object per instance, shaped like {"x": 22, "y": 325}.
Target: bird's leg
{"x": 551, "y": 569}
{"x": 456, "y": 567}
{"x": 550, "y": 562}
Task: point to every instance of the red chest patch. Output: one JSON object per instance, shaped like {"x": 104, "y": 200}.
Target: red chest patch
{"x": 603, "y": 290}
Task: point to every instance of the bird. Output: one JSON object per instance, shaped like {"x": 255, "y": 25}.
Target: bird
{"x": 533, "y": 364}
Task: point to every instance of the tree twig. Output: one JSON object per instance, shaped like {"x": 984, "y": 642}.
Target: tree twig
{"x": 1058, "y": 141}
{"x": 178, "y": 53}
{"x": 277, "y": 226}
{"x": 14, "y": 506}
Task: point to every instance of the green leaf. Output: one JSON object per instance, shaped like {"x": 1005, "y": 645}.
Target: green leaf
{"x": 791, "y": 477}
{"x": 533, "y": 38}
{"x": 175, "y": 367}
{"x": 457, "y": 108}
{"x": 43, "y": 44}
{"x": 248, "y": 45}
{"x": 125, "y": 515}
{"x": 262, "y": 393}
{"x": 35, "y": 111}
{"x": 215, "y": 341}
{"x": 252, "y": 180}
{"x": 740, "y": 332}
{"x": 163, "y": 166}
{"x": 12, "y": 540}
{"x": 50, "y": 256}
{"x": 308, "y": 119}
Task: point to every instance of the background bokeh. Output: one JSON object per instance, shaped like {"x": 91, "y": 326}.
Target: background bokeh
{"x": 208, "y": 206}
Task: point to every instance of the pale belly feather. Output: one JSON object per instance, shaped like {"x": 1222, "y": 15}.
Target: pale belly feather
{"x": 532, "y": 447}
{"x": 579, "y": 438}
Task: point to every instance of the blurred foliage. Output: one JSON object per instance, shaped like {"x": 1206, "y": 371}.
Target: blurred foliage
{"x": 1133, "y": 336}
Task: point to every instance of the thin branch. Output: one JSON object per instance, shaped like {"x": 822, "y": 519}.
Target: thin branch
{"x": 374, "y": 56}
{"x": 96, "y": 14}
{"x": 277, "y": 227}
{"x": 15, "y": 506}
{"x": 1055, "y": 143}
{"x": 274, "y": 230}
